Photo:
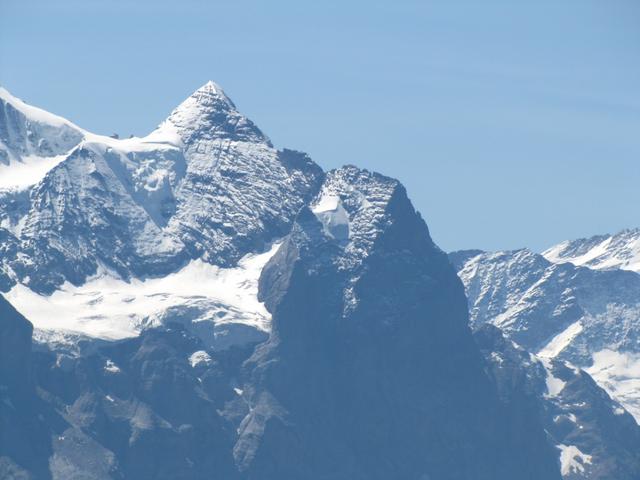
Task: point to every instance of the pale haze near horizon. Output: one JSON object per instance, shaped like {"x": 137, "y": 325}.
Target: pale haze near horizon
{"x": 511, "y": 124}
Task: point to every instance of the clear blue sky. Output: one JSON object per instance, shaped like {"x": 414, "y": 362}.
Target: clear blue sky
{"x": 512, "y": 123}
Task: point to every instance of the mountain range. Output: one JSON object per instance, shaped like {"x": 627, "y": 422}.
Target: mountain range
{"x": 197, "y": 303}
{"x": 555, "y": 306}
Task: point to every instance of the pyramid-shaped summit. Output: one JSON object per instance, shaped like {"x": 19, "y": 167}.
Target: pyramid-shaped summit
{"x": 208, "y": 113}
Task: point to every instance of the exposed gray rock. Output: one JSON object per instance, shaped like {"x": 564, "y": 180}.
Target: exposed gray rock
{"x": 371, "y": 370}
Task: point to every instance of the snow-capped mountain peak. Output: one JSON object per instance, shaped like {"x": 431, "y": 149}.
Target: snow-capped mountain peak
{"x": 214, "y": 87}
{"x": 200, "y": 193}
{"x": 210, "y": 114}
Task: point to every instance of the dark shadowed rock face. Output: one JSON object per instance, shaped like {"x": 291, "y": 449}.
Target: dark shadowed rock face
{"x": 371, "y": 371}
{"x": 24, "y": 428}
{"x": 142, "y": 408}
{"x": 15, "y": 350}
{"x": 148, "y": 407}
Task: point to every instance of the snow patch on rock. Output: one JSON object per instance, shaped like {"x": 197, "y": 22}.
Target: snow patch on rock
{"x": 199, "y": 357}
{"x": 111, "y": 367}
{"x": 572, "y": 460}
{"x": 561, "y": 341}
{"x": 554, "y": 384}
{"x": 333, "y": 216}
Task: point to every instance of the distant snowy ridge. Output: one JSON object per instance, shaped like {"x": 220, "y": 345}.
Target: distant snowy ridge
{"x": 621, "y": 250}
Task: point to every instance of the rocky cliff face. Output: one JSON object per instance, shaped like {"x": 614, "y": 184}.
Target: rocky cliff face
{"x": 141, "y": 408}
{"x": 371, "y": 370}
{"x": 25, "y": 420}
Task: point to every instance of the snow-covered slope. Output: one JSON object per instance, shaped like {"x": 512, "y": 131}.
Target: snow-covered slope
{"x": 27, "y": 131}
{"x": 220, "y": 304}
{"x": 621, "y": 250}
{"x": 32, "y": 142}
{"x": 561, "y": 311}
